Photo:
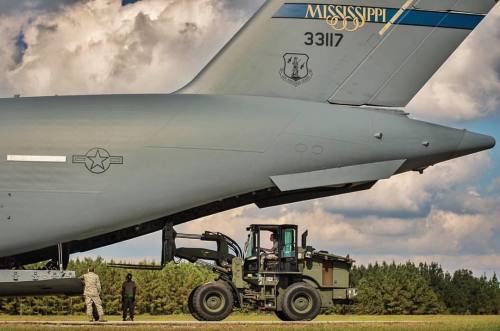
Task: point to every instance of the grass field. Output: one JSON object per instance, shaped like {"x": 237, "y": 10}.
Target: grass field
{"x": 249, "y": 322}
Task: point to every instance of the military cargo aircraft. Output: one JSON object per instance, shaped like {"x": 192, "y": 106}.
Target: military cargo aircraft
{"x": 304, "y": 102}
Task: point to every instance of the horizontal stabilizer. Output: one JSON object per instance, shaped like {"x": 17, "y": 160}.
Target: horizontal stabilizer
{"x": 337, "y": 176}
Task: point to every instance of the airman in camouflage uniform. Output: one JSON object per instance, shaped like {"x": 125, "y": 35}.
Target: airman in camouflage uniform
{"x": 91, "y": 292}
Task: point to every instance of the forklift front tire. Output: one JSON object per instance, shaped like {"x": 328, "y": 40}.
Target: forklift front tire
{"x": 212, "y": 302}
{"x": 301, "y": 302}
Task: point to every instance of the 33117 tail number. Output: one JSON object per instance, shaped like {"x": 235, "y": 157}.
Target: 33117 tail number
{"x": 323, "y": 39}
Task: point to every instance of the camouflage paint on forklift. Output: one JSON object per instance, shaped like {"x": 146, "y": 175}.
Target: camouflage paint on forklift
{"x": 329, "y": 273}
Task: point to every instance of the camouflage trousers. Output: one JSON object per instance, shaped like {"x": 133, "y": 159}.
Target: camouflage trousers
{"x": 98, "y": 304}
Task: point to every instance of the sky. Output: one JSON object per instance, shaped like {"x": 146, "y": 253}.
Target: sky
{"x": 449, "y": 215}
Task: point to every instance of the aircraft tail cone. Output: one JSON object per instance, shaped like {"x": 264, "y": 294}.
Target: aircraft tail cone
{"x": 475, "y": 142}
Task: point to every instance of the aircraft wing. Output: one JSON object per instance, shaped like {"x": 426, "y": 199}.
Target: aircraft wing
{"x": 357, "y": 52}
{"x": 338, "y": 176}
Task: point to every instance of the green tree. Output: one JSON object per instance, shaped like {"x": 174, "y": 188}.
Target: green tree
{"x": 392, "y": 289}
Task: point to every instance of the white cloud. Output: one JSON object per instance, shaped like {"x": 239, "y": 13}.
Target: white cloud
{"x": 451, "y": 233}
{"x": 411, "y": 193}
{"x": 468, "y": 84}
{"x": 99, "y": 46}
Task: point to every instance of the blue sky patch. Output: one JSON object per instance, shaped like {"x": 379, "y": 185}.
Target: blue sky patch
{"x": 129, "y": 2}
{"x": 21, "y": 47}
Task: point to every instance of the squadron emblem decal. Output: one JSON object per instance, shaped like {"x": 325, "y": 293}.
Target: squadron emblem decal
{"x": 296, "y": 69}
{"x": 97, "y": 160}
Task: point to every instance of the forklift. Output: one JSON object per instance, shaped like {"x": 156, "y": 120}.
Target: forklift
{"x": 294, "y": 281}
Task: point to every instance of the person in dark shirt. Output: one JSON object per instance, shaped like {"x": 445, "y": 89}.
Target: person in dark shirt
{"x": 128, "y": 297}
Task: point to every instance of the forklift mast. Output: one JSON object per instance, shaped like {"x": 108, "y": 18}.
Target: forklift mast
{"x": 227, "y": 248}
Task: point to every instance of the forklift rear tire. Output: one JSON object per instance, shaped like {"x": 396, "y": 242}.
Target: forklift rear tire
{"x": 213, "y": 301}
{"x": 281, "y": 315}
{"x": 191, "y": 307}
{"x": 301, "y": 302}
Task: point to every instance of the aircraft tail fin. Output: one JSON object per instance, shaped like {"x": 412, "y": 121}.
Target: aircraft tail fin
{"x": 357, "y": 52}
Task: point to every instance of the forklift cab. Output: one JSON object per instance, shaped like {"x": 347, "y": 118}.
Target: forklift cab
{"x": 282, "y": 257}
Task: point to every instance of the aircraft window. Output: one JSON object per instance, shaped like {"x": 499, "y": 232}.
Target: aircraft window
{"x": 288, "y": 243}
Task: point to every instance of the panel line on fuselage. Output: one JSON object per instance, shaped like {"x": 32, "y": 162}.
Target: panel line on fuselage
{"x": 205, "y": 149}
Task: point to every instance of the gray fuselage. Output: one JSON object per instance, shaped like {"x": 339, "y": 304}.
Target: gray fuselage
{"x": 169, "y": 153}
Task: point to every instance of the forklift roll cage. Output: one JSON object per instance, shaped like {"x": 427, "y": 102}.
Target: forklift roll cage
{"x": 287, "y": 248}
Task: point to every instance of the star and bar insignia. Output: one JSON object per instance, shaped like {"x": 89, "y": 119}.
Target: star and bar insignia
{"x": 97, "y": 160}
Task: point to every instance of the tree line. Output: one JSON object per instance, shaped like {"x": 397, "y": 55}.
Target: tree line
{"x": 423, "y": 289}
{"x": 382, "y": 289}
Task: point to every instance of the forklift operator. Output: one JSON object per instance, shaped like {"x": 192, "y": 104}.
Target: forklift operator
{"x": 272, "y": 253}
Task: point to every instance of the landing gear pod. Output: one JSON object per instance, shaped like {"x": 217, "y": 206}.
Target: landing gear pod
{"x": 39, "y": 283}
